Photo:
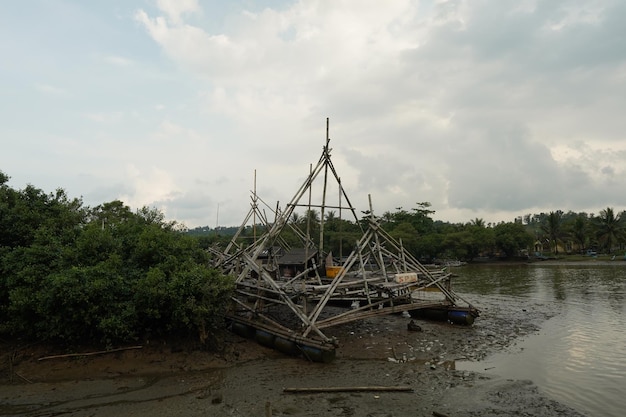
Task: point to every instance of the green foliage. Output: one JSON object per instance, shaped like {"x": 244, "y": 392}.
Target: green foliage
{"x": 471, "y": 241}
{"x": 429, "y": 240}
{"x": 610, "y": 229}
{"x": 418, "y": 218}
{"x": 552, "y": 228}
{"x": 511, "y": 238}
{"x": 579, "y": 231}
{"x": 190, "y": 299}
{"x": 340, "y": 235}
{"x": 105, "y": 274}
{"x": 431, "y": 246}
{"x": 405, "y": 232}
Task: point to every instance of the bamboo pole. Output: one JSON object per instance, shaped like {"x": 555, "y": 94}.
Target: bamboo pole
{"x": 322, "y": 209}
{"x": 401, "y": 388}
{"x": 329, "y": 292}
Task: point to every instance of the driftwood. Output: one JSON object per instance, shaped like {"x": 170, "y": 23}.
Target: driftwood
{"x": 402, "y": 388}
{"x": 23, "y": 377}
{"x": 436, "y": 414}
{"x": 101, "y": 352}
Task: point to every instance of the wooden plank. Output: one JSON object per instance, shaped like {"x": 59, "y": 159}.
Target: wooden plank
{"x": 401, "y": 388}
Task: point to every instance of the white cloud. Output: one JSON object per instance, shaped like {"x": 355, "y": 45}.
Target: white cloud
{"x": 480, "y": 107}
{"x": 461, "y": 103}
{"x": 176, "y": 9}
{"x": 148, "y": 186}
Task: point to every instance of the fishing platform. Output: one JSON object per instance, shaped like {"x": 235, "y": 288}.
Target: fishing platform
{"x": 288, "y": 296}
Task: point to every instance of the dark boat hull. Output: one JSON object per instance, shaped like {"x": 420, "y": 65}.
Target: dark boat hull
{"x": 284, "y": 344}
{"x": 456, "y": 315}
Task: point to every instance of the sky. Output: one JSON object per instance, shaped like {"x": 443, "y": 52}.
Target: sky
{"x": 487, "y": 109}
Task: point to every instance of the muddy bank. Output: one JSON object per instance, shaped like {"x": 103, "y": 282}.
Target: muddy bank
{"x": 246, "y": 379}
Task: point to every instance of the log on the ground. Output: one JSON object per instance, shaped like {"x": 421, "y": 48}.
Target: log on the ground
{"x": 100, "y": 352}
{"x": 402, "y": 388}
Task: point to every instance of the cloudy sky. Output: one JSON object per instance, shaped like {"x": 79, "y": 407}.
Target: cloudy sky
{"x": 484, "y": 108}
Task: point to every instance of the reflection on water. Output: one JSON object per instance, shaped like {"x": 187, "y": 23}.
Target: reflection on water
{"x": 579, "y": 356}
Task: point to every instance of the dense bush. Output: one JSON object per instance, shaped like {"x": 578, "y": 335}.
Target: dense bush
{"x": 102, "y": 274}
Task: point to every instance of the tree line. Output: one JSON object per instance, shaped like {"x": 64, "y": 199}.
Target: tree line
{"x": 552, "y": 233}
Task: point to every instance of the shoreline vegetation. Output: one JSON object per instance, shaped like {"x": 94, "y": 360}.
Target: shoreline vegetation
{"x": 553, "y": 260}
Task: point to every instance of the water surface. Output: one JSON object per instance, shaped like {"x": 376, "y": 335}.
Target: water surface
{"x": 578, "y": 356}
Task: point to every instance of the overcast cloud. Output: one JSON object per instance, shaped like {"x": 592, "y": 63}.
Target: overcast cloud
{"x": 486, "y": 108}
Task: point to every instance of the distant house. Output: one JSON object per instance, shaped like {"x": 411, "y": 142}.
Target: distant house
{"x": 546, "y": 247}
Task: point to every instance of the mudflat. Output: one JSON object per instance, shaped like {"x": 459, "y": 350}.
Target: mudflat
{"x": 246, "y": 379}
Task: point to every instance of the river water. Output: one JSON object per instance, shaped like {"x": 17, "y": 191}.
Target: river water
{"x": 578, "y": 355}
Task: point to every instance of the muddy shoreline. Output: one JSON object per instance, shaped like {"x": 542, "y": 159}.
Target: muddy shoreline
{"x": 246, "y": 379}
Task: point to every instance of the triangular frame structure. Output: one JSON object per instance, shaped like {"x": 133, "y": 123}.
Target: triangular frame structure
{"x": 291, "y": 313}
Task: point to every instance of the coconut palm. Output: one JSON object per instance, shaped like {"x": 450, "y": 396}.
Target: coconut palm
{"x": 296, "y": 218}
{"x": 478, "y": 222}
{"x": 552, "y": 229}
{"x": 579, "y": 231}
{"x": 610, "y": 228}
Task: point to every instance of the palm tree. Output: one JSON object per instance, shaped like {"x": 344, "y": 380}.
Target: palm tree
{"x": 296, "y": 218}
{"x": 579, "y": 231}
{"x": 478, "y": 222}
{"x": 313, "y": 216}
{"x": 610, "y": 228}
{"x": 552, "y": 228}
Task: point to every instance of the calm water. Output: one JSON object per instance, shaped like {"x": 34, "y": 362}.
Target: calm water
{"x": 578, "y": 357}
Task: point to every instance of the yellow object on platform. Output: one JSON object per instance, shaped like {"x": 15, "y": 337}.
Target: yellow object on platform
{"x": 333, "y": 271}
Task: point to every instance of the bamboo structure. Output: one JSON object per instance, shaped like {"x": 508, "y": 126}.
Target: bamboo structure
{"x": 291, "y": 313}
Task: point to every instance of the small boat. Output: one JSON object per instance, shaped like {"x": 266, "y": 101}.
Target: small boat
{"x": 452, "y": 314}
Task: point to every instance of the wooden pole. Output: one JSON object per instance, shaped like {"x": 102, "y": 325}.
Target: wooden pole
{"x": 322, "y": 209}
{"x": 100, "y": 352}
{"x": 402, "y": 388}
{"x": 255, "y": 209}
